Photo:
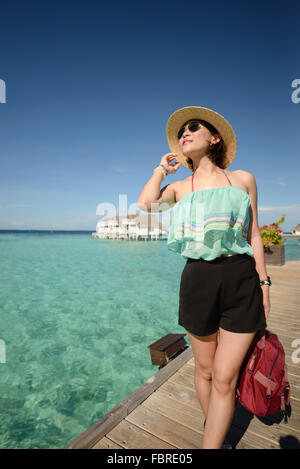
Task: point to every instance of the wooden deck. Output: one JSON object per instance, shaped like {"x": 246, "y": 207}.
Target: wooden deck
{"x": 164, "y": 412}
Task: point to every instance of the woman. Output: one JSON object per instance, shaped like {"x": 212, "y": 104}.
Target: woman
{"x": 224, "y": 288}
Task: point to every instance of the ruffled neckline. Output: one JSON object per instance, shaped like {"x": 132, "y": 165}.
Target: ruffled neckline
{"x": 213, "y": 189}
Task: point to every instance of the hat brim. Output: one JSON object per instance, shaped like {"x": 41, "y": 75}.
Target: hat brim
{"x": 179, "y": 117}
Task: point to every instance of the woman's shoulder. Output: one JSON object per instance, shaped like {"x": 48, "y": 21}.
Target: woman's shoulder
{"x": 242, "y": 172}
{"x": 239, "y": 178}
{"x": 239, "y": 175}
{"x": 244, "y": 177}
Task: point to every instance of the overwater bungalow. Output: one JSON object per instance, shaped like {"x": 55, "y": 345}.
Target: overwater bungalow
{"x": 138, "y": 227}
{"x": 296, "y": 230}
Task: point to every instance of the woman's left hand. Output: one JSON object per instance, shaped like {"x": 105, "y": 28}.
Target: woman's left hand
{"x": 266, "y": 299}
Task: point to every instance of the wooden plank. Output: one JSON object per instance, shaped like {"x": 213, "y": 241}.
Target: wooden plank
{"x": 282, "y": 323}
{"x": 288, "y": 336}
{"x": 262, "y": 432}
{"x": 185, "y": 414}
{"x": 250, "y": 441}
{"x": 281, "y": 311}
{"x": 181, "y": 392}
{"x": 106, "y": 443}
{"x": 281, "y": 330}
{"x": 130, "y": 436}
{"x": 163, "y": 427}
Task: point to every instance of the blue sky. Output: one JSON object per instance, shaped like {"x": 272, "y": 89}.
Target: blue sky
{"x": 90, "y": 87}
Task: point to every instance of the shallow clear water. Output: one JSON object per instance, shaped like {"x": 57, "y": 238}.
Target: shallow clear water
{"x": 76, "y": 316}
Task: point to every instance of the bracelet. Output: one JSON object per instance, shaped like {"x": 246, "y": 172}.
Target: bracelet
{"x": 162, "y": 170}
{"x": 266, "y": 282}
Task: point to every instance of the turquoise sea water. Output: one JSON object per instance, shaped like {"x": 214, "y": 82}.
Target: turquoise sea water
{"x": 76, "y": 316}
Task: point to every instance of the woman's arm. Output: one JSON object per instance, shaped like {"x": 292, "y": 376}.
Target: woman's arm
{"x": 254, "y": 236}
{"x": 152, "y": 199}
{"x": 255, "y": 240}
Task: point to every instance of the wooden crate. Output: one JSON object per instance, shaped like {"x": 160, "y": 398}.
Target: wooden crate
{"x": 163, "y": 349}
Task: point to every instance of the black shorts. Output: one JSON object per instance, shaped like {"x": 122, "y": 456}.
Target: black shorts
{"x": 224, "y": 292}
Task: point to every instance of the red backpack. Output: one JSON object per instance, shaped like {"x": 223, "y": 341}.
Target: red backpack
{"x": 263, "y": 384}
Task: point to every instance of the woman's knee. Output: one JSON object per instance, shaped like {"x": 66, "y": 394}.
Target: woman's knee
{"x": 203, "y": 371}
{"x": 224, "y": 383}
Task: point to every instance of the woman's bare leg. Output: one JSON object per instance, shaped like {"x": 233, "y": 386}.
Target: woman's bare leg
{"x": 204, "y": 349}
{"x": 231, "y": 351}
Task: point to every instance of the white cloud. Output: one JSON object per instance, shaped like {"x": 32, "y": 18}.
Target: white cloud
{"x": 14, "y": 206}
{"x": 295, "y": 209}
{"x": 18, "y": 223}
{"x": 121, "y": 169}
{"x": 280, "y": 181}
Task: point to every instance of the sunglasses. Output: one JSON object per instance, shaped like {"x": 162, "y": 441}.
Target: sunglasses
{"x": 192, "y": 126}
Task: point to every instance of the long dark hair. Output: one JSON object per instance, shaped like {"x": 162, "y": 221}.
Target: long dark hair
{"x": 217, "y": 151}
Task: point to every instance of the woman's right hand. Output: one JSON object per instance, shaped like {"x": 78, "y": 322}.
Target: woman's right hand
{"x": 171, "y": 168}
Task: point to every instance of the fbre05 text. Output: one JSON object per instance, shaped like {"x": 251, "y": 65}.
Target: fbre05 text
{"x": 173, "y": 458}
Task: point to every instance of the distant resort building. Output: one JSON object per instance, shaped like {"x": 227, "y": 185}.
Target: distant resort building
{"x": 296, "y": 230}
{"x": 138, "y": 227}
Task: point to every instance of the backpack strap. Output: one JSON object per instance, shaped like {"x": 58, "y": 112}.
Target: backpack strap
{"x": 262, "y": 342}
{"x": 251, "y": 365}
{"x": 285, "y": 374}
{"x": 287, "y": 392}
{"x": 285, "y": 395}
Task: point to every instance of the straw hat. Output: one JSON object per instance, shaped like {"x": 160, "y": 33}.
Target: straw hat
{"x": 179, "y": 117}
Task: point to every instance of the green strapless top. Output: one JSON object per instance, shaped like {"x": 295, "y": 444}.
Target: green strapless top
{"x": 210, "y": 222}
